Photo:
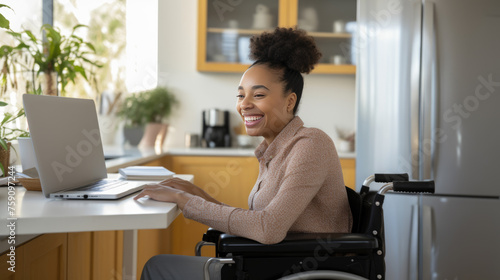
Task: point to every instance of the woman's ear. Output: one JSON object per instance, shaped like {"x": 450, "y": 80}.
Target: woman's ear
{"x": 291, "y": 100}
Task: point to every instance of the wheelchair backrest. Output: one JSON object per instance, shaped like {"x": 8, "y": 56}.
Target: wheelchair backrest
{"x": 366, "y": 215}
{"x": 355, "y": 205}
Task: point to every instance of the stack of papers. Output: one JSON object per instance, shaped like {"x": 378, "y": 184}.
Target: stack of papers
{"x": 146, "y": 173}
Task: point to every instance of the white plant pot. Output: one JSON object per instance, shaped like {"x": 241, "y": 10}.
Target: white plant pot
{"x": 110, "y": 126}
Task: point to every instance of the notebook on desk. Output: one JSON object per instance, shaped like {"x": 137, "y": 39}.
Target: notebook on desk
{"x": 68, "y": 149}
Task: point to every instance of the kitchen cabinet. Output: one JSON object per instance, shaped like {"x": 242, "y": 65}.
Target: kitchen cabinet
{"x": 95, "y": 255}
{"x": 79, "y": 255}
{"x": 332, "y": 30}
{"x": 225, "y": 28}
{"x": 18, "y": 273}
{"x": 43, "y": 258}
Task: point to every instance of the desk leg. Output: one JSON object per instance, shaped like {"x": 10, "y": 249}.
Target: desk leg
{"x": 129, "y": 254}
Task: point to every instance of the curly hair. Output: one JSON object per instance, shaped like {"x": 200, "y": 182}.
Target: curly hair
{"x": 290, "y": 50}
{"x": 287, "y": 47}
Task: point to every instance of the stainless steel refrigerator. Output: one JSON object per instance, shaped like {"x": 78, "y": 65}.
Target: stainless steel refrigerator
{"x": 428, "y": 103}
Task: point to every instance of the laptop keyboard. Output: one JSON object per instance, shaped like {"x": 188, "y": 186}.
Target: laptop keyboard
{"x": 102, "y": 185}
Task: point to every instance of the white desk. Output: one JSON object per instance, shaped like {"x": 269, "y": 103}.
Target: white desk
{"x": 35, "y": 214}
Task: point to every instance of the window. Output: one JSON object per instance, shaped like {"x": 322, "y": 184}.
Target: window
{"x": 115, "y": 28}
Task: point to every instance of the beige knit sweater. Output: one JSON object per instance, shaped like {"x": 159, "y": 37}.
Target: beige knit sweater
{"x": 300, "y": 188}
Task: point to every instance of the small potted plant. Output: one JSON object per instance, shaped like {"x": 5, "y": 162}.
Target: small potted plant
{"x": 7, "y": 134}
{"x": 146, "y": 114}
{"x": 346, "y": 141}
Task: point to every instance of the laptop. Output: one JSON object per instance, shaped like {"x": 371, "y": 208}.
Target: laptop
{"x": 68, "y": 149}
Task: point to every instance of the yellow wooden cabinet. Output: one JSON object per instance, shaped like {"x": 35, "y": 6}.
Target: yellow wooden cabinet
{"x": 95, "y": 255}
{"x": 75, "y": 256}
{"x": 225, "y": 28}
{"x": 12, "y": 264}
{"x": 43, "y": 258}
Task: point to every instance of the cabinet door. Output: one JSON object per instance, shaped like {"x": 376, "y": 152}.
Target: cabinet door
{"x": 228, "y": 179}
{"x": 95, "y": 255}
{"x": 45, "y": 257}
{"x": 80, "y": 255}
{"x": 332, "y": 23}
{"x": 107, "y": 254}
{"x": 14, "y": 262}
{"x": 225, "y": 28}
{"x": 152, "y": 242}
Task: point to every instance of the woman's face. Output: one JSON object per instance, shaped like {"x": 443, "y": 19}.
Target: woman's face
{"x": 262, "y": 102}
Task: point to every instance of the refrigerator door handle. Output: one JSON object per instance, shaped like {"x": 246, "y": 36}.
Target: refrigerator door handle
{"x": 428, "y": 241}
{"x": 428, "y": 97}
{"x": 413, "y": 252}
{"x": 415, "y": 79}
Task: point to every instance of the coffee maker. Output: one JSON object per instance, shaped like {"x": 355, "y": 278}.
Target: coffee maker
{"x": 215, "y": 132}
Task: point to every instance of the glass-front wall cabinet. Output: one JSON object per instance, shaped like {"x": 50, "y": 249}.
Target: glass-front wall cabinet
{"x": 225, "y": 28}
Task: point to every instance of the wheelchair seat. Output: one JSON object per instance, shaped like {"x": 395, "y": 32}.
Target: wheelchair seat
{"x": 356, "y": 255}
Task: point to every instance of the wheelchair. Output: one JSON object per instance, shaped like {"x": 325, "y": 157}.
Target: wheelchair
{"x": 358, "y": 255}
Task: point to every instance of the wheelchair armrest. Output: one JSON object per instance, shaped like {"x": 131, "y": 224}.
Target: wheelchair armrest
{"x": 212, "y": 235}
{"x": 300, "y": 244}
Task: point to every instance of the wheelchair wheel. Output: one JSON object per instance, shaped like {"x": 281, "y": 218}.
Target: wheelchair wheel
{"x": 323, "y": 274}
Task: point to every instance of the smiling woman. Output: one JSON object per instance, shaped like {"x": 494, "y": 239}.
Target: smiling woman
{"x": 300, "y": 187}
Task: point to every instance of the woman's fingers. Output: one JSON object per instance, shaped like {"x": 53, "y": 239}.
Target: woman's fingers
{"x": 157, "y": 192}
{"x": 182, "y": 185}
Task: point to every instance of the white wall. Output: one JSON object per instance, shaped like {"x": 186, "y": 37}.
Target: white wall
{"x": 327, "y": 101}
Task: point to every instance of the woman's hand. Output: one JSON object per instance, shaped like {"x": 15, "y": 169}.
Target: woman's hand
{"x": 182, "y": 185}
{"x": 165, "y": 193}
{"x": 188, "y": 187}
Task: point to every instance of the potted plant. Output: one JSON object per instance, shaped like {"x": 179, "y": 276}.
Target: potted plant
{"x": 346, "y": 141}
{"x": 7, "y": 134}
{"x": 58, "y": 58}
{"x": 146, "y": 113}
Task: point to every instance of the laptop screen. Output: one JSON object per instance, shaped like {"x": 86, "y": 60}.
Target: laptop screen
{"x": 66, "y": 141}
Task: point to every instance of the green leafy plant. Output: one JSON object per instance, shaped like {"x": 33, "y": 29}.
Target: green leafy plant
{"x": 154, "y": 105}
{"x": 7, "y": 133}
{"x": 4, "y": 23}
{"x": 68, "y": 56}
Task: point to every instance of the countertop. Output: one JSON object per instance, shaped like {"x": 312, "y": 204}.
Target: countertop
{"x": 247, "y": 152}
{"x": 118, "y": 157}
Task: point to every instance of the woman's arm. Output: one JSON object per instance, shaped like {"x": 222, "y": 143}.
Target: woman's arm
{"x": 166, "y": 194}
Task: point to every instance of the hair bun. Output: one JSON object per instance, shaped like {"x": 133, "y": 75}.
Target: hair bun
{"x": 290, "y": 47}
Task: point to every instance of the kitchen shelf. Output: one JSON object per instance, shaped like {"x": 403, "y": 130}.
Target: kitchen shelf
{"x": 238, "y": 31}
{"x": 330, "y": 35}
{"x": 258, "y": 31}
